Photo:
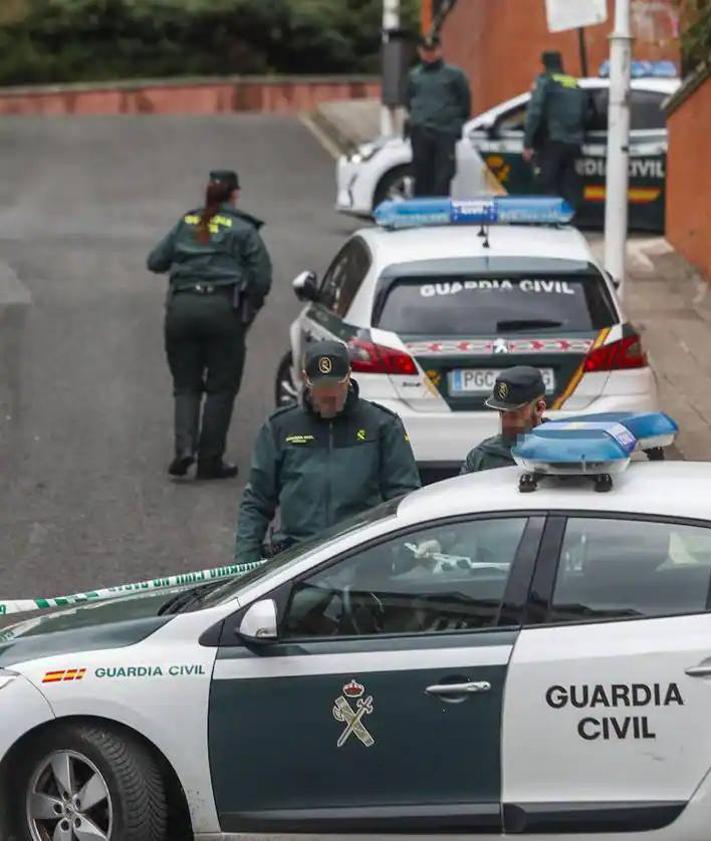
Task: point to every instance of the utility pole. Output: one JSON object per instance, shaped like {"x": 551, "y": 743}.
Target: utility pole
{"x": 618, "y": 133}
{"x": 391, "y": 21}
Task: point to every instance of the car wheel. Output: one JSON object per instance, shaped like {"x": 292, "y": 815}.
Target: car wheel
{"x": 286, "y": 390}
{"x": 85, "y": 782}
{"x": 396, "y": 185}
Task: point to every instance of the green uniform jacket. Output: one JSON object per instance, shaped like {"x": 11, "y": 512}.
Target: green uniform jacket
{"x": 234, "y": 255}
{"x": 491, "y": 453}
{"x": 318, "y": 472}
{"x": 557, "y": 111}
{"x": 438, "y": 97}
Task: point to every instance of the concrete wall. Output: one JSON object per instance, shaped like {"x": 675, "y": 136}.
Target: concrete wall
{"x": 499, "y": 43}
{"x": 187, "y": 96}
{"x": 688, "y": 223}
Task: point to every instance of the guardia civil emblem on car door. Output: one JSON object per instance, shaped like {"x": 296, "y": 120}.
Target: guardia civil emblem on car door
{"x": 352, "y": 717}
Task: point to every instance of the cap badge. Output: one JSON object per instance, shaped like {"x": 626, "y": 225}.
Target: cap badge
{"x": 502, "y": 391}
{"x": 325, "y": 365}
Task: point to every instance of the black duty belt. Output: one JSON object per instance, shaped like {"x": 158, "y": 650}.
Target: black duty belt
{"x": 206, "y": 289}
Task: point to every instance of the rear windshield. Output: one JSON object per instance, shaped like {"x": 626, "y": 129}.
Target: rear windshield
{"x": 458, "y": 305}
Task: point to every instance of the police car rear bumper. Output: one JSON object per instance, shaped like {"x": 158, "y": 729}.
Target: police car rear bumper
{"x": 443, "y": 439}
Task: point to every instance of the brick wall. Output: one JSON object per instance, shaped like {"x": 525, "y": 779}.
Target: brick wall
{"x": 688, "y": 223}
{"x": 285, "y": 95}
{"x": 499, "y": 42}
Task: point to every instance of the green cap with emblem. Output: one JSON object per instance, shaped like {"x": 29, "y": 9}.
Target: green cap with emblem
{"x": 225, "y": 176}
{"x": 515, "y": 388}
{"x": 327, "y": 361}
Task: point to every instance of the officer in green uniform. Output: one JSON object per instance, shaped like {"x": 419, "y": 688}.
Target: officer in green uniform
{"x": 220, "y": 274}
{"x": 519, "y": 397}
{"x": 333, "y": 456}
{"x": 439, "y": 103}
{"x": 555, "y": 130}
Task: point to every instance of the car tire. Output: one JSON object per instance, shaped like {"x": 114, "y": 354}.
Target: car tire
{"x": 396, "y": 184}
{"x": 286, "y": 391}
{"x": 89, "y": 776}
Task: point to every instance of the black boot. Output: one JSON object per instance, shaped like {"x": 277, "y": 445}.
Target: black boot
{"x": 187, "y": 418}
{"x": 216, "y": 469}
{"x": 181, "y": 464}
{"x": 216, "y": 417}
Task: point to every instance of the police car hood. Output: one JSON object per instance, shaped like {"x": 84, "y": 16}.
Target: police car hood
{"x": 92, "y": 626}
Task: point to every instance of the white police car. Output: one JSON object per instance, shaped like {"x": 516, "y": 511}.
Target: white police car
{"x": 543, "y": 668}
{"x": 489, "y": 155}
{"x": 433, "y": 311}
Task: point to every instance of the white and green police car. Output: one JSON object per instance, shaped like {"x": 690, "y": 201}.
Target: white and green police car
{"x": 489, "y": 154}
{"x": 433, "y": 311}
{"x": 467, "y": 660}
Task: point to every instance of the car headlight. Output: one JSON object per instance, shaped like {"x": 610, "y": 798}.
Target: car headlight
{"x": 364, "y": 152}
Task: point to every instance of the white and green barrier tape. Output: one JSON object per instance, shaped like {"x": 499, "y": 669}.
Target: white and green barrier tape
{"x": 199, "y": 577}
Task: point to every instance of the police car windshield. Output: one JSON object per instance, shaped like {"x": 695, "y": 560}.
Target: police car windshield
{"x": 465, "y": 305}
{"x": 381, "y": 512}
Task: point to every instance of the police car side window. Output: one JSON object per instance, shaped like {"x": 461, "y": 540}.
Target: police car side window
{"x": 514, "y": 120}
{"x": 612, "y": 568}
{"x": 646, "y": 110}
{"x": 598, "y": 105}
{"x": 334, "y": 279}
{"x": 359, "y": 261}
{"x": 344, "y": 277}
{"x": 444, "y": 578}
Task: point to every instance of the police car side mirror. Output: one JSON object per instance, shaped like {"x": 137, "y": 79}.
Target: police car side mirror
{"x": 259, "y": 623}
{"x": 305, "y": 286}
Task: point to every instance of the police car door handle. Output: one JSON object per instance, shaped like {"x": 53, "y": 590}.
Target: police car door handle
{"x": 458, "y": 688}
{"x": 699, "y": 671}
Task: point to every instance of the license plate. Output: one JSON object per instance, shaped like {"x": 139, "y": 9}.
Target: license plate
{"x": 478, "y": 381}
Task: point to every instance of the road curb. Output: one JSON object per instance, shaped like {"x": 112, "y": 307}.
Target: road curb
{"x": 13, "y": 292}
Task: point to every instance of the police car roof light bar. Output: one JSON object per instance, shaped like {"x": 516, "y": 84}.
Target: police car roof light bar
{"x": 478, "y": 210}
{"x": 644, "y": 70}
{"x": 595, "y": 446}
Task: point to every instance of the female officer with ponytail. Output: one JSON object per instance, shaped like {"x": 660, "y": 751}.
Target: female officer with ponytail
{"x": 220, "y": 274}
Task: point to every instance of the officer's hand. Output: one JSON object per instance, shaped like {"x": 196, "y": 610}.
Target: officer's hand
{"x": 528, "y": 155}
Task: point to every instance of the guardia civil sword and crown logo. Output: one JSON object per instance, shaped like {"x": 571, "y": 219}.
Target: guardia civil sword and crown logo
{"x": 325, "y": 365}
{"x": 352, "y": 716}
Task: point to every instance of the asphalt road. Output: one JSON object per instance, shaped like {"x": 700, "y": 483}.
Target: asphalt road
{"x": 85, "y": 426}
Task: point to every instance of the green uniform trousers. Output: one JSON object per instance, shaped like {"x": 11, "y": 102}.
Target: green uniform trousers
{"x": 205, "y": 346}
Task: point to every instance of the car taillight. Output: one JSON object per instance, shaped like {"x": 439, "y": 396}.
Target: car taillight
{"x": 617, "y": 356}
{"x": 369, "y": 358}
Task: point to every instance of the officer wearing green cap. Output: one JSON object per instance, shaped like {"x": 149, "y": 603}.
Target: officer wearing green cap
{"x": 331, "y": 456}
{"x": 220, "y": 274}
{"x": 555, "y": 129}
{"x": 519, "y": 397}
{"x": 438, "y": 100}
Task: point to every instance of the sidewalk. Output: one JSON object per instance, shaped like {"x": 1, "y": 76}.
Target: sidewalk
{"x": 665, "y": 297}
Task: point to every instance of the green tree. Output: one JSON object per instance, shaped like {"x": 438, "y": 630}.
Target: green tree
{"x": 73, "y": 40}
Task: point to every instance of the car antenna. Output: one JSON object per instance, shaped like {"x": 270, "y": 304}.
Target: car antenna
{"x": 484, "y": 234}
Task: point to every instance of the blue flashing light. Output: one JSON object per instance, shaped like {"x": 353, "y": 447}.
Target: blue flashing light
{"x": 575, "y": 448}
{"x": 484, "y": 210}
{"x": 645, "y": 70}
{"x": 592, "y": 445}
{"x": 650, "y": 429}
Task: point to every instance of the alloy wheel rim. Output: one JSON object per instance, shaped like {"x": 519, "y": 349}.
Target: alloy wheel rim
{"x": 68, "y": 800}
